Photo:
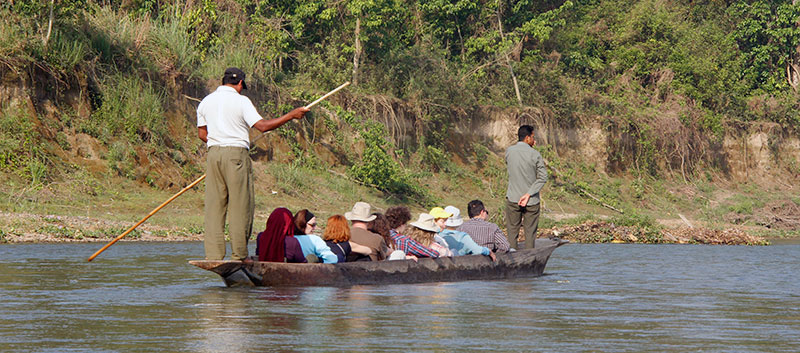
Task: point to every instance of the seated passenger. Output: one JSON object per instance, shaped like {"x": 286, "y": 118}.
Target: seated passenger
{"x": 398, "y": 216}
{"x": 314, "y": 248}
{"x": 277, "y": 243}
{"x": 337, "y": 237}
{"x": 359, "y": 217}
{"x": 484, "y": 233}
{"x": 423, "y": 232}
{"x": 459, "y": 242}
{"x": 440, "y": 216}
{"x": 380, "y": 226}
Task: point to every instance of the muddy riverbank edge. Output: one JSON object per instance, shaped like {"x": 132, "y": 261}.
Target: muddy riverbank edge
{"x": 33, "y": 228}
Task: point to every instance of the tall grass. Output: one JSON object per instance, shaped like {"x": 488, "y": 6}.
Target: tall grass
{"x": 132, "y": 108}
{"x": 234, "y": 54}
{"x": 67, "y": 50}
{"x": 117, "y": 37}
{"x": 21, "y": 146}
{"x": 170, "y": 46}
{"x": 12, "y": 38}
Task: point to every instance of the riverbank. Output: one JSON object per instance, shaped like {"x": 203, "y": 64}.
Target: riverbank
{"x": 606, "y": 232}
{"x": 84, "y": 208}
{"x": 34, "y": 228}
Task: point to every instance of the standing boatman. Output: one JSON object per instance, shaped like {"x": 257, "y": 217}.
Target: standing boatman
{"x": 223, "y": 121}
{"x": 526, "y": 176}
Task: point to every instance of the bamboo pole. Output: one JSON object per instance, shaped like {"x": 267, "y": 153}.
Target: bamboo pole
{"x": 197, "y": 181}
{"x": 148, "y": 216}
{"x": 320, "y": 99}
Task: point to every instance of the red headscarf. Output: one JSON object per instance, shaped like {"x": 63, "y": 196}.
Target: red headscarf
{"x": 270, "y": 244}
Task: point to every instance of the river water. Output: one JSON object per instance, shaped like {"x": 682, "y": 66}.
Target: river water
{"x": 598, "y": 298}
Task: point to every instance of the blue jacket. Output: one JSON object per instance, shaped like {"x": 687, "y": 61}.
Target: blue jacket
{"x": 462, "y": 244}
{"x": 312, "y": 244}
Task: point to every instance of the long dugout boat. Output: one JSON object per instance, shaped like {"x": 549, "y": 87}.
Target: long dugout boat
{"x": 523, "y": 263}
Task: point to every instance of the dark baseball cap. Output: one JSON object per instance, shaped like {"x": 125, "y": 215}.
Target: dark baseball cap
{"x": 233, "y": 75}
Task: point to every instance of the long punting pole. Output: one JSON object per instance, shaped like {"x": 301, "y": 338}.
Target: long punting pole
{"x": 327, "y": 95}
{"x": 197, "y": 181}
{"x": 148, "y": 216}
{"x": 320, "y": 99}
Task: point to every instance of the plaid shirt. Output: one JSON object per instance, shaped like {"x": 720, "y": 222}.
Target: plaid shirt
{"x": 411, "y": 246}
{"x": 485, "y": 234}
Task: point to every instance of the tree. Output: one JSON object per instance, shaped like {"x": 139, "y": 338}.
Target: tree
{"x": 767, "y": 35}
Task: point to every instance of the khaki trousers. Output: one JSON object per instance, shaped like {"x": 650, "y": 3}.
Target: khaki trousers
{"x": 517, "y": 216}
{"x": 229, "y": 192}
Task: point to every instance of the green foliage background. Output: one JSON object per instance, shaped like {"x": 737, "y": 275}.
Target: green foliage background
{"x": 581, "y": 59}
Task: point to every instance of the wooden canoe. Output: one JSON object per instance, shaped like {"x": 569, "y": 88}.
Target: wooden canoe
{"x": 523, "y": 263}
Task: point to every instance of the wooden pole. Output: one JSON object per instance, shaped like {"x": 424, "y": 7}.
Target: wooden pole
{"x": 199, "y": 180}
{"x": 320, "y": 99}
{"x": 148, "y": 216}
{"x": 327, "y": 95}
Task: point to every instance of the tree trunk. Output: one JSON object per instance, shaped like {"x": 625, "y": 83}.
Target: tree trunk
{"x": 49, "y": 23}
{"x": 792, "y": 70}
{"x": 508, "y": 59}
{"x": 792, "y": 74}
{"x": 357, "y": 53}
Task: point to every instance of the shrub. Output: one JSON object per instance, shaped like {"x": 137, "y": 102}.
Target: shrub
{"x": 377, "y": 168}
{"x": 131, "y": 107}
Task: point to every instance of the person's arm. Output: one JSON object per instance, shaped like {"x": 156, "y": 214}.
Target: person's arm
{"x": 264, "y": 125}
{"x": 322, "y": 250}
{"x": 361, "y": 249}
{"x": 383, "y": 252}
{"x": 472, "y": 247}
{"x": 293, "y": 251}
{"x": 202, "y": 133}
{"x": 541, "y": 175}
{"x": 500, "y": 240}
{"x": 202, "y": 124}
{"x": 443, "y": 251}
{"x": 419, "y": 250}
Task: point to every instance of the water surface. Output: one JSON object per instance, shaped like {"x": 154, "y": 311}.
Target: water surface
{"x": 599, "y": 298}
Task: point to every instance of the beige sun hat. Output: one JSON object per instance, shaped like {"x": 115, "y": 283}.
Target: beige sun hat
{"x": 361, "y": 212}
{"x": 426, "y": 222}
{"x": 455, "y": 220}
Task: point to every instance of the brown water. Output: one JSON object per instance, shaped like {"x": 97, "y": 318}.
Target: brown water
{"x": 599, "y": 298}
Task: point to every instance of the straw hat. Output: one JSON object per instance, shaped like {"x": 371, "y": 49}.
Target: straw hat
{"x": 456, "y": 219}
{"x": 438, "y": 212}
{"x": 361, "y": 212}
{"x": 426, "y": 222}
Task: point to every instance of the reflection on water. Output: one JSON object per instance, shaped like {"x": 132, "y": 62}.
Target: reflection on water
{"x": 144, "y": 297}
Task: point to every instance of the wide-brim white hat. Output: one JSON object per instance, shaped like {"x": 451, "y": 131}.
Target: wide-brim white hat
{"x": 361, "y": 212}
{"x": 455, "y": 220}
{"x": 426, "y": 222}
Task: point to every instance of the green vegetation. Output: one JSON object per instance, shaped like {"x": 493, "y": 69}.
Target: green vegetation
{"x": 665, "y": 79}
{"x": 21, "y": 146}
{"x": 582, "y": 58}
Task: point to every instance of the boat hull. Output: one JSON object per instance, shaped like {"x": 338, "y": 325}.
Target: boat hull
{"x": 523, "y": 263}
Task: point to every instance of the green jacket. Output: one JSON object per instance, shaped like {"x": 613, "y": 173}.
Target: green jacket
{"x": 526, "y": 172}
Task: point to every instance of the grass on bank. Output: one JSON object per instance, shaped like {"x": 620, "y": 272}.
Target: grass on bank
{"x": 118, "y": 199}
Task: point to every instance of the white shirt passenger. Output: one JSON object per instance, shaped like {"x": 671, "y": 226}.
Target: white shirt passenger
{"x": 228, "y": 116}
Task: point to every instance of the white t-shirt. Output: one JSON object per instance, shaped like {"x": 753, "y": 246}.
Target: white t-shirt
{"x": 228, "y": 116}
